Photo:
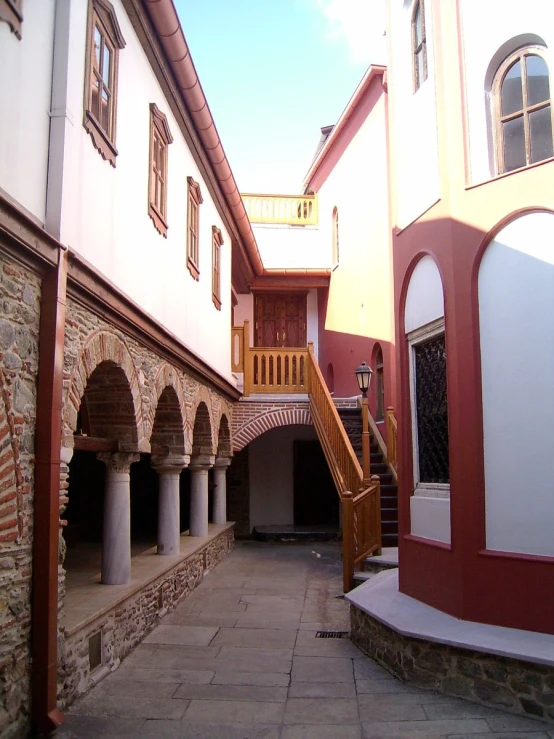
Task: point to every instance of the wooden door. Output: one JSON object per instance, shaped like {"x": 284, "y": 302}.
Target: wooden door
{"x": 280, "y": 320}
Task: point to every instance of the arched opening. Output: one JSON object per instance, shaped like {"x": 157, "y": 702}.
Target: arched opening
{"x": 105, "y": 421}
{"x": 330, "y": 378}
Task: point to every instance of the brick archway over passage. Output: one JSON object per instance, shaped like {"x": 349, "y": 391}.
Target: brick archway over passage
{"x": 251, "y": 420}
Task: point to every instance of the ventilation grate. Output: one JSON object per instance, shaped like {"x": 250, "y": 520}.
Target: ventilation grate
{"x": 331, "y": 634}
{"x": 95, "y": 650}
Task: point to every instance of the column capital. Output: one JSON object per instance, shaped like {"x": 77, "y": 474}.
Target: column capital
{"x": 202, "y": 462}
{"x": 223, "y": 462}
{"x": 118, "y": 462}
{"x": 169, "y": 463}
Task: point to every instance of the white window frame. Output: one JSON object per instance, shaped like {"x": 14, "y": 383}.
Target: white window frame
{"x": 416, "y": 337}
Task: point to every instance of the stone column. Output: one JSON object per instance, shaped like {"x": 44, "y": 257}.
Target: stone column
{"x": 199, "y": 467}
{"x": 169, "y": 530}
{"x": 220, "y": 492}
{"x": 116, "y": 546}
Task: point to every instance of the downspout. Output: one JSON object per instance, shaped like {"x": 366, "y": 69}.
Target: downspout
{"x": 45, "y": 713}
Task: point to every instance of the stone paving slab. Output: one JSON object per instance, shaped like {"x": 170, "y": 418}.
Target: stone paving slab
{"x": 239, "y": 660}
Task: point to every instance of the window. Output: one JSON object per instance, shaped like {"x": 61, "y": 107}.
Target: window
{"x": 379, "y": 385}
{"x": 160, "y": 138}
{"x": 103, "y": 43}
{"x": 523, "y": 110}
{"x": 430, "y": 406}
{"x": 217, "y": 242}
{"x": 194, "y": 201}
{"x": 419, "y": 45}
{"x": 11, "y": 11}
{"x": 335, "y": 237}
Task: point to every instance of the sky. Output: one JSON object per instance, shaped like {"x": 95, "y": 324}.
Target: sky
{"x": 274, "y": 72}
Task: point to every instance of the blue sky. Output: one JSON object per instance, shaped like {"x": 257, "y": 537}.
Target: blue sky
{"x": 274, "y": 72}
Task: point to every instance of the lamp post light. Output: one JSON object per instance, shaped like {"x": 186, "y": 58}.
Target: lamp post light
{"x": 363, "y": 376}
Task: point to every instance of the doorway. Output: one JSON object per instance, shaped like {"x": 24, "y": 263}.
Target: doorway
{"x": 316, "y": 501}
{"x": 280, "y": 320}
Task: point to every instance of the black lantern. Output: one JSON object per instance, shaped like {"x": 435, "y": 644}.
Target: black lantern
{"x": 363, "y": 375}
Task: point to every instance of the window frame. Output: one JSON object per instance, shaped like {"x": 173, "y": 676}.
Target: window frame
{"x": 159, "y": 130}
{"x": 420, "y": 48}
{"x": 194, "y": 201}
{"x": 101, "y": 15}
{"x": 499, "y": 119}
{"x": 335, "y": 237}
{"x": 415, "y": 338}
{"x": 11, "y": 12}
{"x": 217, "y": 243}
{"x": 379, "y": 385}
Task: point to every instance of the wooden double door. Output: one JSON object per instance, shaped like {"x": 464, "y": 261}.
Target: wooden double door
{"x": 280, "y": 319}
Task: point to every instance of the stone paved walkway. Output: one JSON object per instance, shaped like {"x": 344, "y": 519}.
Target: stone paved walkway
{"x": 239, "y": 660}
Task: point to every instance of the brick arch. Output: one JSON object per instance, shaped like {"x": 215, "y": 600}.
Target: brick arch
{"x": 167, "y": 421}
{"x": 265, "y": 420}
{"x": 202, "y": 433}
{"x": 105, "y": 352}
{"x": 11, "y": 480}
{"x": 224, "y": 441}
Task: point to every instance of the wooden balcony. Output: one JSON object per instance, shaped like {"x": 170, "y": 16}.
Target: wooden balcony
{"x": 290, "y": 210}
{"x": 269, "y": 369}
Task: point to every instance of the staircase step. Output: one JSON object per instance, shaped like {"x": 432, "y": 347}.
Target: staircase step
{"x": 389, "y": 540}
{"x": 389, "y": 503}
{"x": 380, "y": 469}
{"x": 389, "y": 527}
{"x": 389, "y": 514}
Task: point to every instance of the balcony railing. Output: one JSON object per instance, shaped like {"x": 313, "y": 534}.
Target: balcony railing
{"x": 292, "y": 210}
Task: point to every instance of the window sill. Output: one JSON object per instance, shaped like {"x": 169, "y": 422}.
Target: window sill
{"x": 12, "y": 15}
{"x": 101, "y": 142}
{"x": 432, "y": 490}
{"x": 159, "y": 222}
{"x": 193, "y": 269}
{"x": 501, "y": 176}
{"x": 216, "y": 301}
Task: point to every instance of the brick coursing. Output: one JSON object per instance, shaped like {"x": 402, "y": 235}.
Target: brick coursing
{"x": 252, "y": 419}
{"x": 19, "y": 332}
{"x": 127, "y": 624}
{"x": 510, "y": 684}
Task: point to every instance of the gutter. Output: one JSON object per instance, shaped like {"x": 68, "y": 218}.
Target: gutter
{"x": 374, "y": 70}
{"x": 168, "y": 28}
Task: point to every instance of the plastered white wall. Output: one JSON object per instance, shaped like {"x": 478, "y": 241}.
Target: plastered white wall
{"x": 487, "y": 30}
{"x": 430, "y": 518}
{"x": 516, "y": 316}
{"x": 291, "y": 247}
{"x": 105, "y": 214}
{"x": 26, "y": 65}
{"x": 271, "y": 475}
{"x": 414, "y": 119}
{"x": 360, "y": 290}
{"x": 424, "y": 298}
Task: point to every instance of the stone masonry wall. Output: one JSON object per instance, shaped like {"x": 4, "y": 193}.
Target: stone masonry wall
{"x": 19, "y": 333}
{"x": 126, "y": 625}
{"x": 513, "y": 685}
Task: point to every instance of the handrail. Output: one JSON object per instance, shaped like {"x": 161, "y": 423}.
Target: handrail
{"x": 273, "y": 370}
{"x": 326, "y": 419}
{"x": 361, "y": 528}
{"x": 293, "y": 210}
{"x": 392, "y": 434}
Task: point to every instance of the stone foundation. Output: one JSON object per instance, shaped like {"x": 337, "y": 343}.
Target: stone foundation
{"x": 515, "y": 686}
{"x": 131, "y": 620}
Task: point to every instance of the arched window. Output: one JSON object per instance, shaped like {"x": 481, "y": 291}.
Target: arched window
{"x": 335, "y": 236}
{"x": 522, "y": 110}
{"x": 379, "y": 385}
{"x": 419, "y": 45}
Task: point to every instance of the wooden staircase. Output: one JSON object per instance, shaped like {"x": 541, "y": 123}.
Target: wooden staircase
{"x": 352, "y": 421}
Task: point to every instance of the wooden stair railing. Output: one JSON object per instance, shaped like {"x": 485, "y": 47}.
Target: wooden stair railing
{"x": 361, "y": 505}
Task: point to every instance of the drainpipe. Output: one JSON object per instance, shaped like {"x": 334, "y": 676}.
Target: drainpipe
{"x": 45, "y": 713}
